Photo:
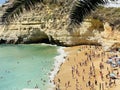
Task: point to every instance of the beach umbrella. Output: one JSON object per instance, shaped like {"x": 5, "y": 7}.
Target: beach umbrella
{"x": 113, "y": 65}
{"x": 109, "y": 61}
{"x": 113, "y": 76}
{"x": 113, "y": 62}
{"x": 118, "y": 62}
{"x": 119, "y": 49}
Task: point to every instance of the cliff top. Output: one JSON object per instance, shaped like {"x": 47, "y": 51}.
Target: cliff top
{"x": 111, "y": 15}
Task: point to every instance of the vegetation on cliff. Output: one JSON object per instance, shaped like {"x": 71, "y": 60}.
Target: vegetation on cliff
{"x": 80, "y": 8}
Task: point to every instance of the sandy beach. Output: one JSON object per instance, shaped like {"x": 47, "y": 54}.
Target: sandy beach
{"x": 85, "y": 68}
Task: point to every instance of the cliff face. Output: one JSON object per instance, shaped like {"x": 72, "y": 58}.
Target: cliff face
{"x": 109, "y": 38}
{"x": 49, "y": 23}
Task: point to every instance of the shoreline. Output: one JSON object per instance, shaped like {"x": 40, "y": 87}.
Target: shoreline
{"x": 78, "y": 75}
{"x": 59, "y": 60}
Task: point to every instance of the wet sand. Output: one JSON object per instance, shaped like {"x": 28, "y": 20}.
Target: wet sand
{"x": 85, "y": 68}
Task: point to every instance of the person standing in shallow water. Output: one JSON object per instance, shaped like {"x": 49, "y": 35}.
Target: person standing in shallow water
{"x": 36, "y": 86}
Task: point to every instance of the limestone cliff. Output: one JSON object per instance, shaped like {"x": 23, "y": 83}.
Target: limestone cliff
{"x": 109, "y": 38}
{"x": 49, "y": 23}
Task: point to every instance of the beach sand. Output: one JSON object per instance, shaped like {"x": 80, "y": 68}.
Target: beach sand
{"x": 81, "y": 70}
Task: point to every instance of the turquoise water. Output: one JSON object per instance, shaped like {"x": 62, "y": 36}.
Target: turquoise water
{"x": 26, "y": 66}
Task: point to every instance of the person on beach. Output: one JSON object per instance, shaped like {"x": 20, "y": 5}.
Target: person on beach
{"x": 114, "y": 82}
{"x": 95, "y": 82}
{"x": 106, "y": 84}
{"x": 101, "y": 65}
{"x": 83, "y": 70}
{"x": 58, "y": 80}
{"x": 77, "y": 72}
{"x": 91, "y": 76}
{"x": 65, "y": 86}
{"x": 117, "y": 73}
{"x": 83, "y": 78}
{"x": 101, "y": 75}
{"x": 68, "y": 83}
{"x": 89, "y": 83}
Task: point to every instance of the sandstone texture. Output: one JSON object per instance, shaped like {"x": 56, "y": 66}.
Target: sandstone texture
{"x": 49, "y": 24}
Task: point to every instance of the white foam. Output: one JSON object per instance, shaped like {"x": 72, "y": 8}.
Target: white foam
{"x": 29, "y": 89}
{"x": 45, "y": 44}
{"x": 58, "y": 61}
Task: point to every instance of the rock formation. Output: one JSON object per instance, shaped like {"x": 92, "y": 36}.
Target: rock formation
{"x": 110, "y": 38}
{"x": 49, "y": 24}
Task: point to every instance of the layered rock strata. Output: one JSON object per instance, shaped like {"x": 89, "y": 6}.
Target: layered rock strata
{"x": 49, "y": 24}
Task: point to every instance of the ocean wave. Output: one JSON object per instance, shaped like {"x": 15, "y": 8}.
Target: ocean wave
{"x": 59, "y": 60}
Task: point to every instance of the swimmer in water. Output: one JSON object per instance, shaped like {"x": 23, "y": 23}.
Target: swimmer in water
{"x": 36, "y": 86}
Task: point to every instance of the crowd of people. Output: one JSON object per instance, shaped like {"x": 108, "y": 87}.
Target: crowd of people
{"x": 90, "y": 68}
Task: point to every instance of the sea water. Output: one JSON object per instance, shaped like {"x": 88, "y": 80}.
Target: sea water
{"x": 26, "y": 66}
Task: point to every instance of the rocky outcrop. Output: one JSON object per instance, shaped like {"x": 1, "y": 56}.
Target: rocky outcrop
{"x": 49, "y": 24}
{"x": 109, "y": 38}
